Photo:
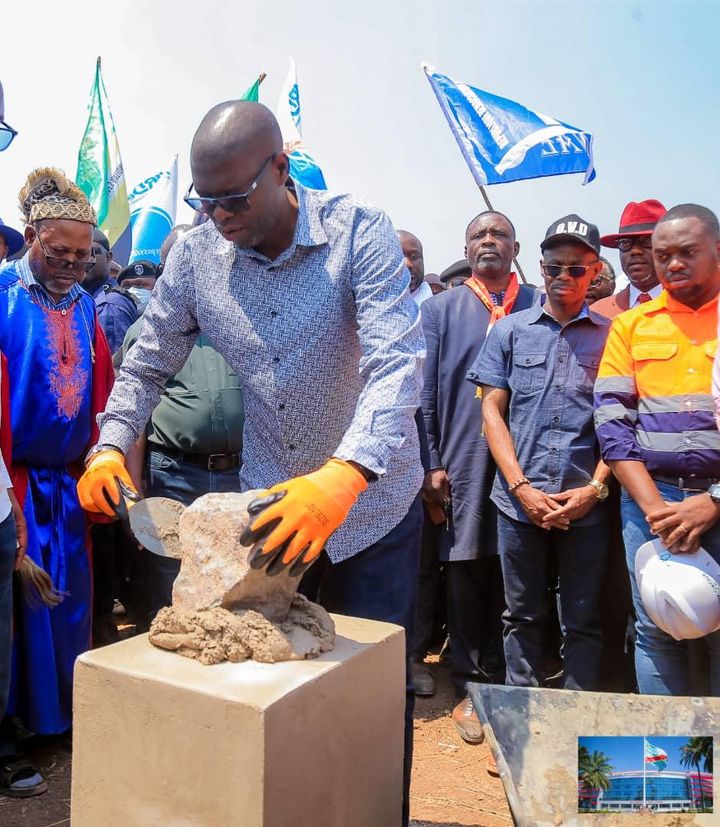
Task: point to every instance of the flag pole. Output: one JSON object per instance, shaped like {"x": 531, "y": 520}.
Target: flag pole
{"x": 644, "y": 773}
{"x": 468, "y": 160}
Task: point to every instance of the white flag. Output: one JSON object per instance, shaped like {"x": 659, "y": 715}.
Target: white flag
{"x": 289, "y": 114}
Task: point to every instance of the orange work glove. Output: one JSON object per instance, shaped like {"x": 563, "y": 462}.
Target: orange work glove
{"x": 297, "y": 517}
{"x": 98, "y": 488}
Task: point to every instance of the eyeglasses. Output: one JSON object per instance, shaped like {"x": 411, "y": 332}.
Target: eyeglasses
{"x": 64, "y": 263}
{"x": 626, "y": 244}
{"x": 239, "y": 202}
{"x": 576, "y": 271}
{"x": 7, "y": 135}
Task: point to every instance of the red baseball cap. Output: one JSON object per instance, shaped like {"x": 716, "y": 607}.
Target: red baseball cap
{"x": 638, "y": 218}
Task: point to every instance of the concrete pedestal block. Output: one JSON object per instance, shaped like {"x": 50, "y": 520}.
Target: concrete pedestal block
{"x": 163, "y": 741}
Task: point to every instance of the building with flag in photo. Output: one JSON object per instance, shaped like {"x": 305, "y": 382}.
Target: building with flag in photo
{"x": 665, "y": 792}
{"x": 654, "y": 787}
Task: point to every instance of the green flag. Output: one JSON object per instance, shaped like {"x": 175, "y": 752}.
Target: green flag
{"x": 100, "y": 173}
{"x": 253, "y": 93}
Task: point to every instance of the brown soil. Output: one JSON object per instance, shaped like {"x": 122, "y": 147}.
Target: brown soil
{"x": 450, "y": 786}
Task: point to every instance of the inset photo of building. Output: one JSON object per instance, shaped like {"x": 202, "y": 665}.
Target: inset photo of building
{"x": 652, "y": 773}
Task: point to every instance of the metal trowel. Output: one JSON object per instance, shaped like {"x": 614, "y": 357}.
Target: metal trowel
{"x": 153, "y": 521}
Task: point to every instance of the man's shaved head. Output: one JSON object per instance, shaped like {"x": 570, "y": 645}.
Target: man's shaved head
{"x": 238, "y": 151}
{"x": 236, "y": 126}
{"x": 402, "y": 234}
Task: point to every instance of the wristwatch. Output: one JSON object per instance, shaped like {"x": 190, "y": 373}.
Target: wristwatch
{"x": 714, "y": 492}
{"x": 96, "y": 449}
{"x": 601, "y": 490}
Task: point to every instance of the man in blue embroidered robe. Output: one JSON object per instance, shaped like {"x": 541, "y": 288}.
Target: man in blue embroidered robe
{"x": 61, "y": 372}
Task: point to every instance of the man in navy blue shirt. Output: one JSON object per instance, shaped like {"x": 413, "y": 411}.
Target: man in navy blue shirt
{"x": 537, "y": 370}
{"x": 116, "y": 307}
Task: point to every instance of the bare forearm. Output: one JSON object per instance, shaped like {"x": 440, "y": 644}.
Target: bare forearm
{"x": 134, "y": 461}
{"x": 634, "y": 478}
{"x": 501, "y": 445}
{"x": 602, "y": 472}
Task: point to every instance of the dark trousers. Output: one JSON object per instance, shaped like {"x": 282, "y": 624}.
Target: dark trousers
{"x": 475, "y": 601}
{"x": 377, "y": 583}
{"x": 616, "y": 609}
{"x": 428, "y": 607}
{"x": 104, "y": 567}
{"x": 526, "y": 553}
{"x": 183, "y": 481}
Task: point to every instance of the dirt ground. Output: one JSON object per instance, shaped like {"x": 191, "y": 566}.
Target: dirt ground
{"x": 450, "y": 786}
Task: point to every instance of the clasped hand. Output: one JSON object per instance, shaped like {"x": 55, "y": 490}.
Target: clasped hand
{"x": 681, "y": 525}
{"x": 556, "y": 510}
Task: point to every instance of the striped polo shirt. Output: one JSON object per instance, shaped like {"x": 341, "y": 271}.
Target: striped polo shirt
{"x": 653, "y": 401}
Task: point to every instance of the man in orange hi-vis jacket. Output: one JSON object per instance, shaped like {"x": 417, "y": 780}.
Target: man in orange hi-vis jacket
{"x": 655, "y": 423}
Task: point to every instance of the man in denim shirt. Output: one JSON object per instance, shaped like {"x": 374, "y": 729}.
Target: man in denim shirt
{"x": 537, "y": 370}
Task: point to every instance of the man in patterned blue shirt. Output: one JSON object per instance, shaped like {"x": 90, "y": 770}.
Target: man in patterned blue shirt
{"x": 306, "y": 295}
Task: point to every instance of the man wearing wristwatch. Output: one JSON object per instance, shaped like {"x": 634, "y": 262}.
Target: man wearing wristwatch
{"x": 537, "y": 370}
{"x": 654, "y": 418}
{"x": 305, "y": 294}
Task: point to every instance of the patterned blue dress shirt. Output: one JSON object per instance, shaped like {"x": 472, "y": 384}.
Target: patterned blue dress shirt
{"x": 327, "y": 344}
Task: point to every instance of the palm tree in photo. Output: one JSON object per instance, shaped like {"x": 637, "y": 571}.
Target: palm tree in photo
{"x": 583, "y": 758}
{"x": 696, "y": 750}
{"x": 594, "y": 770}
{"x": 707, "y": 754}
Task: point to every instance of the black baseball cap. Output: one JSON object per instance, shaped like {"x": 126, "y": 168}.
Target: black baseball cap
{"x": 136, "y": 270}
{"x": 572, "y": 228}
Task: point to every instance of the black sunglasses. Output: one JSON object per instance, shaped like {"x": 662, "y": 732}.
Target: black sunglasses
{"x": 239, "y": 202}
{"x": 626, "y": 244}
{"x": 576, "y": 271}
{"x": 7, "y": 135}
{"x": 64, "y": 263}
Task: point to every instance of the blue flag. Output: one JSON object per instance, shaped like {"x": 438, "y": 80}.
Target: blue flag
{"x": 502, "y": 140}
{"x": 153, "y": 203}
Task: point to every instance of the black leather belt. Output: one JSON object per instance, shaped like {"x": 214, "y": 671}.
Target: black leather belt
{"x": 688, "y": 483}
{"x": 211, "y": 462}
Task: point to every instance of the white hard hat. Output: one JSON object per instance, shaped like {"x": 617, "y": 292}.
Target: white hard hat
{"x": 680, "y": 592}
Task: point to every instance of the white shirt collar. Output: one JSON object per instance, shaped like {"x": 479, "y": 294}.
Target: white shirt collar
{"x": 423, "y": 293}
{"x": 634, "y": 293}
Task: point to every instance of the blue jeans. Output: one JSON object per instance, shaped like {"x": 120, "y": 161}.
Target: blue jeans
{"x": 378, "y": 583}
{"x": 179, "y": 480}
{"x": 526, "y": 554}
{"x": 8, "y": 549}
{"x": 661, "y": 662}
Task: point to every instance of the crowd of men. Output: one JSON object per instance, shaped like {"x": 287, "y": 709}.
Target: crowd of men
{"x": 465, "y": 452}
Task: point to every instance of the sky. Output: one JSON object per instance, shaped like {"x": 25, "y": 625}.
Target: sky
{"x": 641, "y": 76}
{"x": 626, "y": 753}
